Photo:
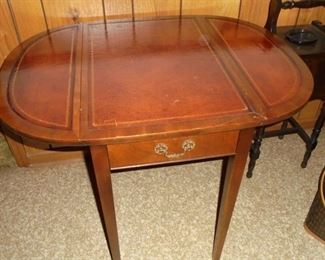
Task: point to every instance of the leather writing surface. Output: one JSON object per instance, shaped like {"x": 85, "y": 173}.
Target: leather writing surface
{"x": 257, "y": 55}
{"x": 41, "y": 87}
{"x": 155, "y": 71}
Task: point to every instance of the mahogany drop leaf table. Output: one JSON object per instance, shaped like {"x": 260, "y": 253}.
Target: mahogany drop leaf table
{"x": 153, "y": 92}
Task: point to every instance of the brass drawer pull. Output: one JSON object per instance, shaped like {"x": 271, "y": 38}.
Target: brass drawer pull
{"x": 162, "y": 149}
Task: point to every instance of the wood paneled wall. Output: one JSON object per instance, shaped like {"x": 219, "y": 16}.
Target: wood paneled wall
{"x": 20, "y": 19}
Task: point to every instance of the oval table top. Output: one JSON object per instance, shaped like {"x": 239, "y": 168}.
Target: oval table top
{"x": 129, "y": 80}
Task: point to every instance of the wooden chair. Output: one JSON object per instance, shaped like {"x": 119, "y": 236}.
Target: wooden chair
{"x": 275, "y": 7}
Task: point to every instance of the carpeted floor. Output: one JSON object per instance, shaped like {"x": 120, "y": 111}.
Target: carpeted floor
{"x": 49, "y": 212}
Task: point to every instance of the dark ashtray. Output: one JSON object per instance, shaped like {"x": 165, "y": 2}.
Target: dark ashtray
{"x": 301, "y": 36}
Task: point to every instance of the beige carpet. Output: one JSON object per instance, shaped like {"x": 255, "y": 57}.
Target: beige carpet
{"x": 49, "y": 212}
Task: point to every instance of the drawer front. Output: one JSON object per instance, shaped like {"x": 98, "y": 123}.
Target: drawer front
{"x": 172, "y": 150}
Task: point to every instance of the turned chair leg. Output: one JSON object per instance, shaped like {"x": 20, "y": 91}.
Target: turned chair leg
{"x": 314, "y": 136}
{"x": 254, "y": 153}
{"x": 284, "y": 126}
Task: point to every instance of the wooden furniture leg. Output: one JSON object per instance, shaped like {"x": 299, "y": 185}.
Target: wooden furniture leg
{"x": 255, "y": 150}
{"x": 284, "y": 126}
{"x": 233, "y": 171}
{"x": 102, "y": 171}
{"x": 295, "y": 128}
{"x": 314, "y": 136}
{"x": 16, "y": 147}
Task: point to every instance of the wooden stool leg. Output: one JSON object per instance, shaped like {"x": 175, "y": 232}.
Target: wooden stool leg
{"x": 102, "y": 171}
{"x": 255, "y": 151}
{"x": 233, "y": 170}
{"x": 314, "y": 136}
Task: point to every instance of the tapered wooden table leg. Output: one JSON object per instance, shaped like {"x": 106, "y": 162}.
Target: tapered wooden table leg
{"x": 102, "y": 171}
{"x": 16, "y": 147}
{"x": 233, "y": 172}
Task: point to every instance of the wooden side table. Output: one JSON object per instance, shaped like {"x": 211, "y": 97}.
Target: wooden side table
{"x": 153, "y": 92}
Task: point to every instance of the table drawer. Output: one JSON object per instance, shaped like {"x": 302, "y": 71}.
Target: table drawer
{"x": 172, "y": 150}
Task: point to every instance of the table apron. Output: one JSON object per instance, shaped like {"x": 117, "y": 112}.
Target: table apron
{"x": 169, "y": 150}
